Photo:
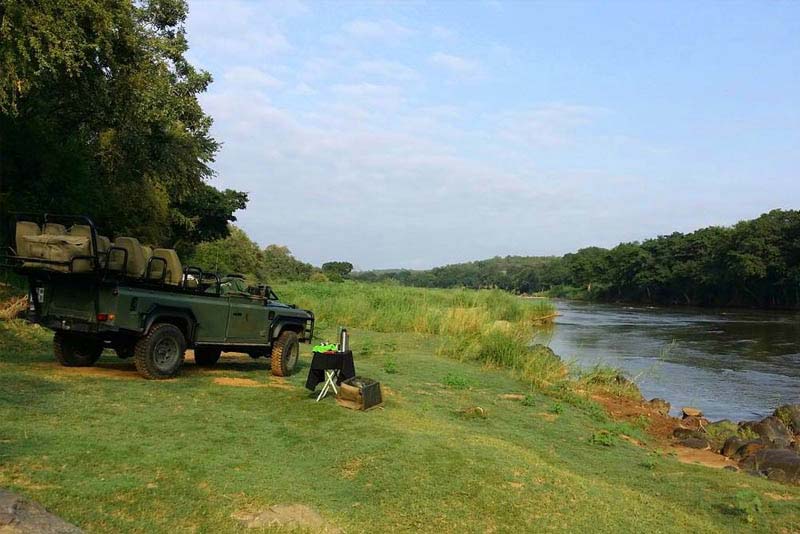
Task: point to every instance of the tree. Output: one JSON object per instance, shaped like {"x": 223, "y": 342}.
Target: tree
{"x": 279, "y": 264}
{"x": 236, "y": 253}
{"x": 99, "y": 115}
{"x": 339, "y": 268}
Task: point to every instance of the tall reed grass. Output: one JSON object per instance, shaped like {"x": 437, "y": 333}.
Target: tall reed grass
{"x": 489, "y": 326}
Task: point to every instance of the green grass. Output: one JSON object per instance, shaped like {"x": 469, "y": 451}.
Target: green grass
{"x": 112, "y": 452}
{"x": 115, "y": 453}
{"x": 488, "y": 326}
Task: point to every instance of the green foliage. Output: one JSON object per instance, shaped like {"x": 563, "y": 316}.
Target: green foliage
{"x": 529, "y": 400}
{"x": 99, "y": 115}
{"x": 603, "y": 438}
{"x": 339, "y": 268}
{"x": 556, "y": 408}
{"x": 390, "y": 366}
{"x": 233, "y": 254}
{"x": 747, "y": 504}
{"x": 454, "y": 381}
{"x": 753, "y": 263}
{"x": 279, "y": 264}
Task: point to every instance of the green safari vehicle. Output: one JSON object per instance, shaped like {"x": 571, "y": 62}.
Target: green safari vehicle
{"x": 142, "y": 303}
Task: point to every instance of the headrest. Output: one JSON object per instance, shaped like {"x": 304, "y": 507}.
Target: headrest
{"x": 24, "y": 229}
{"x": 136, "y": 264}
{"x": 54, "y": 229}
{"x": 173, "y": 265}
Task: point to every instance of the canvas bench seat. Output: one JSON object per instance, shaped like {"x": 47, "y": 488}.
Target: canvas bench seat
{"x": 58, "y": 248}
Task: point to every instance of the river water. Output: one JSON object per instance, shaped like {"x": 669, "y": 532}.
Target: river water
{"x": 734, "y": 364}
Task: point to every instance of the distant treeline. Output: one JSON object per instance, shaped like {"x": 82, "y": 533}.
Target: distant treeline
{"x": 754, "y": 263}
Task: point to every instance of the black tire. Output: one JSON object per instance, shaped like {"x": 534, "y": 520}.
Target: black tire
{"x": 285, "y": 354}
{"x": 206, "y": 356}
{"x": 125, "y": 351}
{"x": 160, "y": 353}
{"x": 75, "y": 351}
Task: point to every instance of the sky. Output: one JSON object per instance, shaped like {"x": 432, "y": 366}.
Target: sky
{"x": 418, "y": 134}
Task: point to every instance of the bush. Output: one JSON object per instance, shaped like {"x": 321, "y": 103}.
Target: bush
{"x": 390, "y": 366}
{"x": 454, "y": 381}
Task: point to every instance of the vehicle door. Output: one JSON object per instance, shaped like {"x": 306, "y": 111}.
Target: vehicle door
{"x": 247, "y": 320}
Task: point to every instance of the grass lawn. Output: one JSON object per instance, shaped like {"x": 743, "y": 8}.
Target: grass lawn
{"x": 112, "y": 452}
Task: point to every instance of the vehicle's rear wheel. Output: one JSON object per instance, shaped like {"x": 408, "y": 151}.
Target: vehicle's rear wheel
{"x": 160, "y": 353}
{"x": 206, "y": 356}
{"x": 76, "y": 351}
{"x": 285, "y": 354}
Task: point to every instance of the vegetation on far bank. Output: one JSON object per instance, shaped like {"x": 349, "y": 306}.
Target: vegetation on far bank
{"x": 752, "y": 263}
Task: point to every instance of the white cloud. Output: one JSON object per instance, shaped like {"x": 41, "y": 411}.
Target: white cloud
{"x": 376, "y": 29}
{"x": 546, "y": 125}
{"x": 251, "y": 77}
{"x": 456, "y": 64}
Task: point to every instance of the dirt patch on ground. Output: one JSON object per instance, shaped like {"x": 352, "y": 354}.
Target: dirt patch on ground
{"x": 286, "y": 516}
{"x": 511, "y": 396}
{"x": 660, "y": 427}
{"x": 547, "y": 416}
{"x": 239, "y": 382}
{"x": 702, "y": 457}
{"x": 19, "y": 515}
{"x": 105, "y": 370}
{"x": 277, "y": 383}
{"x": 621, "y": 409}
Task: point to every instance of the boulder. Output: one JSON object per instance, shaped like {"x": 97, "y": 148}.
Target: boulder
{"x": 21, "y": 516}
{"x": 772, "y": 430}
{"x": 748, "y": 449}
{"x": 789, "y": 414}
{"x": 688, "y": 411}
{"x": 694, "y": 443}
{"x": 660, "y": 406}
{"x": 698, "y": 423}
{"x": 777, "y": 464}
{"x": 732, "y": 444}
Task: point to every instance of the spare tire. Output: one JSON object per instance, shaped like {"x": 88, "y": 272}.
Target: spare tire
{"x": 73, "y": 350}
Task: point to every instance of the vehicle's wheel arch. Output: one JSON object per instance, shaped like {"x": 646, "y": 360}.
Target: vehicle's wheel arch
{"x": 284, "y": 325}
{"x": 182, "y": 318}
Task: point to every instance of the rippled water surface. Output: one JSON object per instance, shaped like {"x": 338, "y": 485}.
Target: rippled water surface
{"x": 736, "y": 364}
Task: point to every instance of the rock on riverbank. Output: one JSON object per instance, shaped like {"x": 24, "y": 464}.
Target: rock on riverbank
{"x": 769, "y": 447}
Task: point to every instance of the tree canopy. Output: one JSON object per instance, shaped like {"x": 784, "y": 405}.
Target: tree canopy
{"x": 753, "y": 263}
{"x": 99, "y": 115}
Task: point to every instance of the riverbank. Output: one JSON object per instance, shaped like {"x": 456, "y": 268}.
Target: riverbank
{"x": 109, "y": 451}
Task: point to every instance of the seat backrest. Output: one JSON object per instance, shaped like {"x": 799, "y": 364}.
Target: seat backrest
{"x": 173, "y": 265}
{"x": 54, "y": 229}
{"x": 103, "y": 243}
{"x": 25, "y": 228}
{"x": 136, "y": 263}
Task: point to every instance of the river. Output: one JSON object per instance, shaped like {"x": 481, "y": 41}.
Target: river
{"x": 732, "y": 364}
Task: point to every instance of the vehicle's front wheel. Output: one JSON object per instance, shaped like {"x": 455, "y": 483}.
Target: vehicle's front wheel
{"x": 76, "y": 351}
{"x": 285, "y": 354}
{"x": 160, "y": 353}
{"x": 206, "y": 356}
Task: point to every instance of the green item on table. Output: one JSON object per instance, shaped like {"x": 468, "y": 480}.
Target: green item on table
{"x": 326, "y": 347}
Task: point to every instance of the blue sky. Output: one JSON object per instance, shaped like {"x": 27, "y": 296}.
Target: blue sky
{"x": 418, "y": 134}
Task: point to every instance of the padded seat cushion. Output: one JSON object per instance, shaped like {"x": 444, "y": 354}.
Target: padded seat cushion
{"x": 173, "y": 265}
{"x": 25, "y": 228}
{"x": 60, "y": 248}
{"x": 136, "y": 264}
{"x": 54, "y": 229}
